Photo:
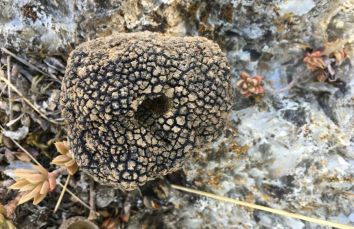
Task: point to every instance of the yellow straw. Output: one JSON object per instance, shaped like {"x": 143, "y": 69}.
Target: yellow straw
{"x": 62, "y": 194}
{"x": 10, "y": 85}
{"x": 262, "y": 208}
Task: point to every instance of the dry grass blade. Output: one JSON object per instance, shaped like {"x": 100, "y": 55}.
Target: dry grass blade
{"x": 23, "y": 149}
{"x": 11, "y": 115}
{"x": 62, "y": 194}
{"x": 92, "y": 214}
{"x": 9, "y": 84}
{"x": 262, "y": 208}
{"x": 75, "y": 196}
{"x": 25, "y": 62}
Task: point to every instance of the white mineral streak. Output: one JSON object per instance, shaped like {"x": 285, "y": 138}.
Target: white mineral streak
{"x": 297, "y": 7}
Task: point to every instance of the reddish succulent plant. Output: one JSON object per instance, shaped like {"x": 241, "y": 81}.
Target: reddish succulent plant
{"x": 250, "y": 86}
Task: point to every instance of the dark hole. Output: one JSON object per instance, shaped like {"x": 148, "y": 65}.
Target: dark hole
{"x": 159, "y": 105}
{"x": 152, "y": 107}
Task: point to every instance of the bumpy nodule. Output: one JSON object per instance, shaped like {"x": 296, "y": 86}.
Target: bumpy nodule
{"x": 137, "y": 104}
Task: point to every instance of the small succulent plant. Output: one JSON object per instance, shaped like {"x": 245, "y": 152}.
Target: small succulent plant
{"x": 324, "y": 66}
{"x": 314, "y": 61}
{"x": 66, "y": 158}
{"x": 34, "y": 183}
{"x": 250, "y": 86}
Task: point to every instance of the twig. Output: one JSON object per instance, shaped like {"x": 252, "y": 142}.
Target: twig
{"x": 287, "y": 87}
{"x": 11, "y": 114}
{"x": 59, "y": 171}
{"x": 295, "y": 80}
{"x": 62, "y": 193}
{"x": 76, "y": 197}
{"x": 262, "y": 208}
{"x": 21, "y": 147}
{"x": 92, "y": 214}
{"x": 30, "y": 65}
{"x": 25, "y": 99}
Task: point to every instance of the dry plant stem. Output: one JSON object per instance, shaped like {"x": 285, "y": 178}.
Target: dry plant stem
{"x": 23, "y": 149}
{"x": 75, "y": 196}
{"x": 9, "y": 84}
{"x": 25, "y": 62}
{"x": 11, "y": 206}
{"x": 287, "y": 87}
{"x": 92, "y": 215}
{"x": 292, "y": 83}
{"x": 59, "y": 171}
{"x": 11, "y": 115}
{"x": 62, "y": 193}
{"x": 262, "y": 208}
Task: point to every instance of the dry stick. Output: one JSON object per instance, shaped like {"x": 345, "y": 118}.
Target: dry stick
{"x": 9, "y": 88}
{"x": 23, "y": 149}
{"x": 25, "y": 99}
{"x": 292, "y": 83}
{"x": 30, "y": 155}
{"x": 75, "y": 196}
{"x": 62, "y": 193}
{"x": 92, "y": 214}
{"x": 25, "y": 62}
{"x": 262, "y": 208}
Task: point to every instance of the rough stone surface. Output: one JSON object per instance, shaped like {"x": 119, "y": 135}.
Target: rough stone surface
{"x": 137, "y": 104}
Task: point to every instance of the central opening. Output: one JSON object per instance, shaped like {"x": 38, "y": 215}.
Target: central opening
{"x": 152, "y": 107}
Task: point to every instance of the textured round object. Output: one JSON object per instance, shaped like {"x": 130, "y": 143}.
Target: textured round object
{"x": 137, "y": 104}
